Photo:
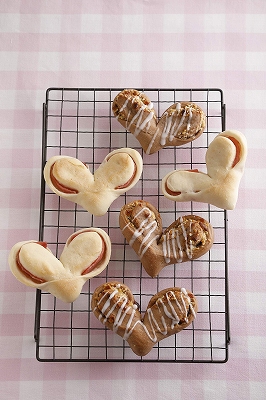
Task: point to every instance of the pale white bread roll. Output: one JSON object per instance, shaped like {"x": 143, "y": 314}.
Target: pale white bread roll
{"x": 85, "y": 255}
{"x": 225, "y": 162}
{"x": 71, "y": 179}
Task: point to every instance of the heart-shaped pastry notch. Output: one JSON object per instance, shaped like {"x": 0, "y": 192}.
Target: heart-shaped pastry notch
{"x": 70, "y": 178}
{"x": 181, "y": 123}
{"x": 85, "y": 255}
{"x": 168, "y": 312}
{"x": 187, "y": 238}
{"x": 225, "y": 161}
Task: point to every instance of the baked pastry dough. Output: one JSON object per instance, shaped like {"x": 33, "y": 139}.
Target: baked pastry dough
{"x": 188, "y": 238}
{"x": 86, "y": 254}
{"x": 168, "y": 312}
{"x": 70, "y": 178}
{"x": 180, "y": 123}
{"x": 225, "y": 161}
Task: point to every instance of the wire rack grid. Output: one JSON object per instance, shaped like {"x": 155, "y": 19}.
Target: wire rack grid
{"x": 78, "y": 122}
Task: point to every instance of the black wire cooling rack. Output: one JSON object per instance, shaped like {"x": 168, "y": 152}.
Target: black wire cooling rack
{"x": 79, "y": 122}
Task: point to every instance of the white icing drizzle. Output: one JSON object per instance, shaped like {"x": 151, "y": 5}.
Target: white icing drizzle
{"x": 171, "y": 244}
{"x": 182, "y": 120}
{"x": 183, "y": 290}
{"x": 168, "y": 313}
{"x": 152, "y": 140}
{"x": 172, "y": 238}
{"x": 170, "y": 130}
{"x": 124, "y": 105}
{"x": 189, "y": 118}
{"x": 178, "y": 107}
{"x": 107, "y": 304}
{"x": 173, "y": 129}
{"x": 150, "y": 105}
{"x": 144, "y": 227}
{"x": 166, "y": 130}
{"x": 138, "y": 117}
{"x": 145, "y": 123}
{"x": 188, "y": 245}
{"x": 147, "y": 245}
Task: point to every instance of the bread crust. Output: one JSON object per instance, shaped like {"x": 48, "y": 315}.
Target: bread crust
{"x": 187, "y": 238}
{"x": 181, "y": 123}
{"x": 168, "y": 312}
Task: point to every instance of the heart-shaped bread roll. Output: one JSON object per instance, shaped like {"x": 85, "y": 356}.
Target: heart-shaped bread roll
{"x": 168, "y": 312}
{"x": 225, "y": 161}
{"x": 188, "y": 238}
{"x": 180, "y": 123}
{"x": 70, "y": 178}
{"x": 86, "y": 254}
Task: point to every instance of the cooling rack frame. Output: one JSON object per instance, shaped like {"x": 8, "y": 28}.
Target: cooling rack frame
{"x": 79, "y": 122}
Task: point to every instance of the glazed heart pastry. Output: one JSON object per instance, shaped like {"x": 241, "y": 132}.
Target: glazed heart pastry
{"x": 86, "y": 254}
{"x": 180, "y": 124}
{"x": 225, "y": 161}
{"x": 168, "y": 312}
{"x": 70, "y": 178}
{"x": 188, "y": 238}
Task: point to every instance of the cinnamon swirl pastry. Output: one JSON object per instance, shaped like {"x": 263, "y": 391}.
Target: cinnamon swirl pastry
{"x": 180, "y": 123}
{"x": 168, "y": 312}
{"x": 225, "y": 161}
{"x": 187, "y": 238}
{"x": 70, "y": 178}
{"x": 85, "y": 255}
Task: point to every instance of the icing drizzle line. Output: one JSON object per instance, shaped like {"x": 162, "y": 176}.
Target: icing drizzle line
{"x": 137, "y": 118}
{"x": 171, "y": 129}
{"x": 145, "y": 226}
{"x": 171, "y": 240}
{"x": 169, "y": 311}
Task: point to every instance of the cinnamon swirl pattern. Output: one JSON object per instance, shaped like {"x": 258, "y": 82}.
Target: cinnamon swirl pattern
{"x": 181, "y": 123}
{"x": 85, "y": 255}
{"x": 168, "y": 312}
{"x": 70, "y": 178}
{"x": 187, "y": 238}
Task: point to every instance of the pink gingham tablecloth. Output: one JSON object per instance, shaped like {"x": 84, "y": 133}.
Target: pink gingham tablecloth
{"x": 132, "y": 43}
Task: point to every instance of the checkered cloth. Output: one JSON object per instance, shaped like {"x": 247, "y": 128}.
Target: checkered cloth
{"x": 132, "y": 43}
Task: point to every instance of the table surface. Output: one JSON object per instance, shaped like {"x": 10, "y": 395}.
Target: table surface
{"x": 132, "y": 43}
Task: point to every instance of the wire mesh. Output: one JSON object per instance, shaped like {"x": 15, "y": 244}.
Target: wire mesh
{"x": 78, "y": 122}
